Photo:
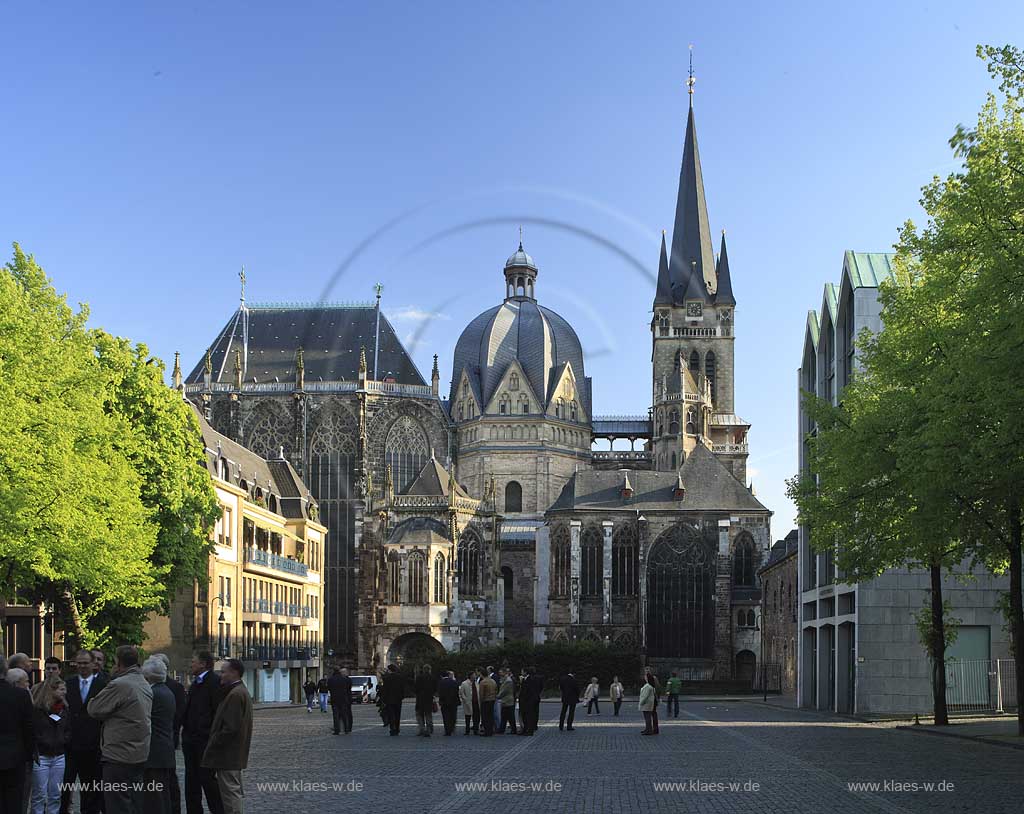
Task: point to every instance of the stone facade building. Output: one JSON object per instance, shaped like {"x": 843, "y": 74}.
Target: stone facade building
{"x": 780, "y": 600}
{"x": 483, "y": 514}
{"x": 859, "y": 650}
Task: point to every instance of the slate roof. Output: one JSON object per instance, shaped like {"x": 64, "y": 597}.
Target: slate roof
{"x": 330, "y": 337}
{"x": 723, "y": 290}
{"x": 277, "y": 477}
{"x": 663, "y": 294}
{"x": 691, "y": 233}
{"x": 540, "y": 339}
{"x": 432, "y": 481}
{"x": 786, "y": 547}
{"x": 709, "y": 487}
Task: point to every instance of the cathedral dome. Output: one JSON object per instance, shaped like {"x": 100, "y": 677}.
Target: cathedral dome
{"x": 519, "y": 330}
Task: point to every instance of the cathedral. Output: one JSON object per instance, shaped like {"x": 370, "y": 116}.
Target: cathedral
{"x": 483, "y": 513}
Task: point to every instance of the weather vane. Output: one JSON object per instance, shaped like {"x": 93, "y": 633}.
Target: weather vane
{"x": 691, "y": 81}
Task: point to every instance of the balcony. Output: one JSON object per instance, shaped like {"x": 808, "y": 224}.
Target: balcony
{"x": 730, "y": 449}
{"x": 272, "y": 653}
{"x": 268, "y": 559}
{"x": 277, "y": 608}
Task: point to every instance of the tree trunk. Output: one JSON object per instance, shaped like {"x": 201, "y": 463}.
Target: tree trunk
{"x": 1017, "y": 609}
{"x": 77, "y": 632}
{"x": 938, "y": 648}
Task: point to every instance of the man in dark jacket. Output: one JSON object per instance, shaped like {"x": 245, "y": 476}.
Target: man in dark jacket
{"x": 426, "y": 689}
{"x": 570, "y": 698}
{"x": 393, "y": 692}
{"x": 340, "y": 687}
{"x": 83, "y": 754}
{"x": 325, "y": 693}
{"x": 200, "y": 706}
{"x": 178, "y": 691}
{"x": 162, "y": 762}
{"x": 448, "y": 700}
{"x": 529, "y": 699}
{"x": 17, "y": 742}
{"x": 230, "y": 737}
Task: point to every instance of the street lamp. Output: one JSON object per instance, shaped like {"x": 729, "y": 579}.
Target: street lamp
{"x": 221, "y": 619}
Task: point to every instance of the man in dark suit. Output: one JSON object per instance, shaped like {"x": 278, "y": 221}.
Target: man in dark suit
{"x": 17, "y": 742}
{"x": 448, "y": 700}
{"x": 339, "y": 685}
{"x": 570, "y": 698}
{"x": 200, "y": 706}
{"x": 529, "y": 699}
{"x": 393, "y": 692}
{"x": 178, "y": 691}
{"x": 82, "y": 761}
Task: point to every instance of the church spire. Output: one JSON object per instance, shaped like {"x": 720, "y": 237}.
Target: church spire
{"x": 723, "y": 294}
{"x": 663, "y": 295}
{"x": 692, "y": 262}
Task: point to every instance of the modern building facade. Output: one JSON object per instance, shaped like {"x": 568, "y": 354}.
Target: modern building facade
{"x": 482, "y": 514}
{"x": 858, "y": 647}
{"x": 263, "y": 600}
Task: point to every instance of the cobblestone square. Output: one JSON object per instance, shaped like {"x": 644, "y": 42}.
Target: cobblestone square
{"x": 735, "y": 756}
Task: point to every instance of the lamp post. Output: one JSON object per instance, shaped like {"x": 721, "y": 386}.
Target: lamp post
{"x": 220, "y": 630}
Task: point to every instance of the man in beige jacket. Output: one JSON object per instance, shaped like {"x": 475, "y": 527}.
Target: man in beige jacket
{"x": 227, "y": 751}
{"x": 124, "y": 706}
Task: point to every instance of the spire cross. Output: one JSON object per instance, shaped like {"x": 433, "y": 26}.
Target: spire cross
{"x": 520, "y": 236}
{"x": 690, "y": 82}
{"x": 241, "y": 277}
{"x": 378, "y": 288}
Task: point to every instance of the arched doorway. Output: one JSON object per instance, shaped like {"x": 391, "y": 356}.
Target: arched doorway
{"x": 680, "y": 579}
{"x": 414, "y": 649}
{"x": 746, "y": 664}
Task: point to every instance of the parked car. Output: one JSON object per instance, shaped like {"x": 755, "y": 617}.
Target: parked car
{"x": 359, "y": 683}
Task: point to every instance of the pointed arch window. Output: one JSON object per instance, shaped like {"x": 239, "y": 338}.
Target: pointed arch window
{"x": 417, "y": 569}
{"x": 469, "y": 564}
{"x": 507, "y": 580}
{"x": 624, "y": 561}
{"x": 710, "y": 371}
{"x": 394, "y": 579}
{"x": 406, "y": 451}
{"x": 695, "y": 363}
{"x": 573, "y": 411}
{"x": 440, "y": 579}
{"x": 513, "y": 381}
{"x": 743, "y": 561}
{"x": 592, "y": 561}
{"x": 560, "y": 564}
{"x": 691, "y": 421}
{"x": 673, "y": 422}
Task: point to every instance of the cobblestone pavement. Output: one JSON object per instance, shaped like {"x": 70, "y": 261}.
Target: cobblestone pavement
{"x": 727, "y": 757}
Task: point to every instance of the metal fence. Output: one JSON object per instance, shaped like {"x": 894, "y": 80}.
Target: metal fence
{"x": 980, "y": 685}
{"x": 767, "y": 678}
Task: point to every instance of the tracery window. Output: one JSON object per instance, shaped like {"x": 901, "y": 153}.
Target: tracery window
{"x": 406, "y": 451}
{"x": 469, "y": 564}
{"x": 560, "y": 561}
{"x": 266, "y": 432}
{"x": 394, "y": 579}
{"x": 673, "y": 422}
{"x": 624, "y": 561}
{"x": 417, "y": 571}
{"x": 695, "y": 363}
{"x": 691, "y": 421}
{"x": 592, "y": 561}
{"x": 440, "y": 579}
{"x": 710, "y": 372}
{"x": 513, "y": 381}
{"x": 743, "y": 561}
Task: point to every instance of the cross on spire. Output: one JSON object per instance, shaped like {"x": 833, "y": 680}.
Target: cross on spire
{"x": 690, "y": 82}
{"x": 241, "y": 277}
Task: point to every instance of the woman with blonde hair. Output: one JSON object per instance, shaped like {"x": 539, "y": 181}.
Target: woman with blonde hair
{"x": 53, "y": 732}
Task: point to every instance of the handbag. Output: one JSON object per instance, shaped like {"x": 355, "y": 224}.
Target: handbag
{"x": 433, "y": 706}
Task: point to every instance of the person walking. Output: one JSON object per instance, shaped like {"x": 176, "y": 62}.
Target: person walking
{"x": 227, "y": 751}
{"x": 310, "y": 689}
{"x": 657, "y": 697}
{"x": 178, "y": 691}
{"x": 646, "y": 705}
{"x": 200, "y": 707}
{"x": 324, "y": 692}
{"x": 488, "y": 689}
{"x": 340, "y": 687}
{"x": 51, "y": 723}
{"x": 673, "y": 687}
{"x": 615, "y": 693}
{"x": 82, "y": 758}
{"x": 570, "y": 698}
{"x": 591, "y": 695}
{"x": 469, "y": 696}
{"x": 17, "y": 742}
{"x": 393, "y": 692}
{"x": 124, "y": 706}
{"x": 426, "y": 690}
{"x": 162, "y": 760}
{"x": 448, "y": 700}
{"x": 533, "y": 689}
{"x": 507, "y": 702}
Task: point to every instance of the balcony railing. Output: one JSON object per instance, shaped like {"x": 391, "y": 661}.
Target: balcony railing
{"x": 739, "y": 449}
{"x": 268, "y": 559}
{"x": 277, "y": 608}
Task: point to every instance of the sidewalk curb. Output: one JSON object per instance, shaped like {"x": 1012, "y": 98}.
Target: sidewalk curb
{"x": 925, "y": 730}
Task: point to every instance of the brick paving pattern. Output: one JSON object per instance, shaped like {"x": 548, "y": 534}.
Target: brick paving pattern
{"x": 802, "y": 762}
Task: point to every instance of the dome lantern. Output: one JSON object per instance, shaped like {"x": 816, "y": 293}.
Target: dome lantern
{"x": 520, "y": 275}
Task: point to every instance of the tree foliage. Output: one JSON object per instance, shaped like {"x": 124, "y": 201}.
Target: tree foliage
{"x": 102, "y": 499}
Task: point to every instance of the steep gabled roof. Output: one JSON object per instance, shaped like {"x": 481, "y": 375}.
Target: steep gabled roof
{"x": 433, "y": 481}
{"x": 869, "y": 269}
{"x": 268, "y": 337}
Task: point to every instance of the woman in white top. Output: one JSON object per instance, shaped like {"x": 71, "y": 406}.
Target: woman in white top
{"x": 615, "y": 693}
{"x": 591, "y": 694}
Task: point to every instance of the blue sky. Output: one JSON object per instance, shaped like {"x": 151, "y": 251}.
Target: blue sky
{"x": 148, "y": 153}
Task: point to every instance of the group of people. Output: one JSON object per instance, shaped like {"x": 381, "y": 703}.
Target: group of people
{"x": 489, "y": 697}
{"x": 114, "y": 736}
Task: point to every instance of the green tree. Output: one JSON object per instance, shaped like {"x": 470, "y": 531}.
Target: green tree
{"x": 105, "y": 502}
{"x": 71, "y": 522}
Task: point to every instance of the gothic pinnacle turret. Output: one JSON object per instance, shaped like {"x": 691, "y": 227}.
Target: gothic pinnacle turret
{"x": 663, "y": 294}
{"x": 723, "y": 292}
